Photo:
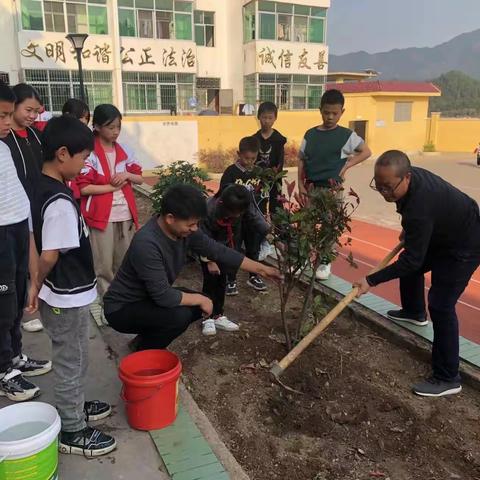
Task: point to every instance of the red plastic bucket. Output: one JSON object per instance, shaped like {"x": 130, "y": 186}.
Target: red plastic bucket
{"x": 150, "y": 388}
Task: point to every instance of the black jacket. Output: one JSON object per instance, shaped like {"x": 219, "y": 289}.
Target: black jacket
{"x": 27, "y": 156}
{"x": 271, "y": 154}
{"x": 438, "y": 220}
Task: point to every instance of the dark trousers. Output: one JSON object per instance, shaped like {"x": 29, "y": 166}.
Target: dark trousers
{"x": 214, "y": 287}
{"x": 14, "y": 249}
{"x": 450, "y": 277}
{"x": 156, "y": 326}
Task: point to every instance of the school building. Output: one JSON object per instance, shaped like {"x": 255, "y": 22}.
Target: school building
{"x": 162, "y": 56}
{"x": 153, "y": 58}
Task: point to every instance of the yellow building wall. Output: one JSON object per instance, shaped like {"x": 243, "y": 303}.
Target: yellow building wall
{"x": 406, "y": 136}
{"x": 456, "y": 135}
{"x": 216, "y": 132}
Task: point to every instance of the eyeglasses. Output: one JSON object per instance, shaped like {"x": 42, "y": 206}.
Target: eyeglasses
{"x": 384, "y": 189}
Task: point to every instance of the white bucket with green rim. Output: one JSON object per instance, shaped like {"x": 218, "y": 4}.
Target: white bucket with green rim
{"x": 29, "y": 442}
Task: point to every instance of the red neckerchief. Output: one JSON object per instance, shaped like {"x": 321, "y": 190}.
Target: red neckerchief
{"x": 22, "y": 133}
{"x": 120, "y": 155}
{"x": 229, "y": 226}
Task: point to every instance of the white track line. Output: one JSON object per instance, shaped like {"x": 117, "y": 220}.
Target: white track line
{"x": 380, "y": 248}
{"x": 426, "y": 288}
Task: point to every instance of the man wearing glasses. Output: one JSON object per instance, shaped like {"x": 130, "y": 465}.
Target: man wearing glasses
{"x": 441, "y": 234}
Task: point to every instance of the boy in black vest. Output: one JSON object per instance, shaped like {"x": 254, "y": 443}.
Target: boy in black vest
{"x": 67, "y": 283}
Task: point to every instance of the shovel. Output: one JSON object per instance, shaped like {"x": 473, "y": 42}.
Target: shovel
{"x": 279, "y": 367}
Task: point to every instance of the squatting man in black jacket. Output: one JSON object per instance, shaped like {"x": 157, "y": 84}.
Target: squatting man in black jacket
{"x": 441, "y": 232}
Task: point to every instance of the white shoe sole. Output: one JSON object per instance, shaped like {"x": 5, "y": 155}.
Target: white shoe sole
{"x": 452, "y": 391}
{"x": 418, "y": 323}
{"x": 39, "y": 371}
{"x": 21, "y": 397}
{"x": 68, "y": 450}
{"x": 236, "y": 328}
{"x": 34, "y": 325}
{"x": 209, "y": 333}
{"x": 258, "y": 289}
{"x": 101, "y": 416}
{"x": 322, "y": 277}
{"x": 231, "y": 294}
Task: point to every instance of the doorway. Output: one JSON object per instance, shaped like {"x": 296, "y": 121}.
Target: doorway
{"x": 360, "y": 128}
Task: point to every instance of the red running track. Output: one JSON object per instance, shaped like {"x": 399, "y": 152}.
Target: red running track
{"x": 370, "y": 244}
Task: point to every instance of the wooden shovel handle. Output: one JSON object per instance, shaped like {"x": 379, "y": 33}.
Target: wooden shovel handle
{"x": 331, "y": 315}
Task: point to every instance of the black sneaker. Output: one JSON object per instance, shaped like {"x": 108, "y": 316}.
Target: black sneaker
{"x": 402, "y": 316}
{"x": 433, "y": 387}
{"x": 257, "y": 283}
{"x": 16, "y": 388}
{"x": 231, "y": 289}
{"x": 96, "y": 410}
{"x": 31, "y": 368}
{"x": 134, "y": 344}
{"x": 89, "y": 442}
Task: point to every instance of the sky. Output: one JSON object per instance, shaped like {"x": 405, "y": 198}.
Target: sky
{"x": 382, "y": 25}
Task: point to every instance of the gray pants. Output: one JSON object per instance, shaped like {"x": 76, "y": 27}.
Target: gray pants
{"x": 109, "y": 247}
{"x": 68, "y": 330}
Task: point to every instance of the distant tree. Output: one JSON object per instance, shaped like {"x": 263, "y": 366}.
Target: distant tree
{"x": 460, "y": 95}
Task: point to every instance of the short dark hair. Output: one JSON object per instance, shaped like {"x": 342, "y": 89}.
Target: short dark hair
{"x": 76, "y": 108}
{"x": 23, "y": 92}
{"x": 396, "y": 159}
{"x": 249, "y": 144}
{"x": 235, "y": 199}
{"x": 184, "y": 202}
{"x": 6, "y": 93}
{"x": 66, "y": 132}
{"x": 332, "y": 97}
{"x": 267, "y": 107}
{"x": 105, "y": 114}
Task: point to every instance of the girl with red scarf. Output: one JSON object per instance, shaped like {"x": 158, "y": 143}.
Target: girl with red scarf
{"x": 225, "y": 212}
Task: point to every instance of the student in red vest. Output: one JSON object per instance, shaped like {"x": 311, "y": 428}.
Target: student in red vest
{"x": 108, "y": 202}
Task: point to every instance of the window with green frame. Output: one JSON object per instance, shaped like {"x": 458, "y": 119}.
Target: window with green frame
{"x": 156, "y": 19}
{"x": 288, "y": 22}
{"x": 204, "y": 28}
{"x": 126, "y": 20}
{"x": 97, "y": 20}
{"x": 57, "y": 86}
{"x": 289, "y": 92}
{"x": 249, "y": 22}
{"x": 32, "y": 18}
{"x": 156, "y": 92}
{"x": 76, "y": 16}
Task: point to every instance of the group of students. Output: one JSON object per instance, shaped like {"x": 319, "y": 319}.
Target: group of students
{"x": 68, "y": 221}
{"x": 67, "y": 215}
{"x": 73, "y": 187}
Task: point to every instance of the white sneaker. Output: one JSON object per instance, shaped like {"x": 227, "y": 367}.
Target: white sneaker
{"x": 209, "y": 327}
{"x": 34, "y": 325}
{"x": 323, "y": 272}
{"x": 223, "y": 323}
{"x": 265, "y": 250}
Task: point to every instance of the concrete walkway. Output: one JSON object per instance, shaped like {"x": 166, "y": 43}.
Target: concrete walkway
{"x": 136, "y": 456}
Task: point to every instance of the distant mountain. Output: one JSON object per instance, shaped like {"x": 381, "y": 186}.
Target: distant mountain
{"x": 461, "y": 53}
{"x": 460, "y": 95}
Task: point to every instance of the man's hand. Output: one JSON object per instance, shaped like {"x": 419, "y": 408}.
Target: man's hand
{"x": 362, "y": 285}
{"x": 206, "y": 305}
{"x": 213, "y": 268}
{"x": 119, "y": 179}
{"x": 270, "y": 272}
{"x": 32, "y": 301}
